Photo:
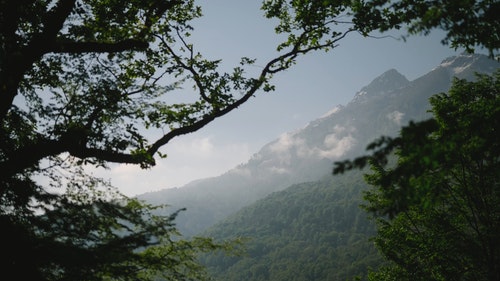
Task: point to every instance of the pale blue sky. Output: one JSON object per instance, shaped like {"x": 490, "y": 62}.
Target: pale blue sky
{"x": 232, "y": 29}
{"x": 236, "y": 28}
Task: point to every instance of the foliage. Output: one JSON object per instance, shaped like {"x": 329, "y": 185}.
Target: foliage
{"x": 91, "y": 75}
{"x": 468, "y": 24}
{"x": 437, "y": 207}
{"x": 92, "y": 82}
{"x": 90, "y": 233}
{"x": 309, "y": 231}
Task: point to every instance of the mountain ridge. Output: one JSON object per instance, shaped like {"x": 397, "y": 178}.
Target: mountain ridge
{"x": 388, "y": 81}
{"x": 316, "y": 230}
{"x": 307, "y": 154}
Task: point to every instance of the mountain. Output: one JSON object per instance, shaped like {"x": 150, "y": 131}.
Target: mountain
{"x": 317, "y": 230}
{"x": 309, "y": 231}
{"x": 389, "y": 81}
{"x": 307, "y": 154}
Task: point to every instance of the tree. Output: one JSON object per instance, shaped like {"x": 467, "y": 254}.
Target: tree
{"x": 84, "y": 69}
{"x": 87, "y": 82}
{"x": 468, "y": 24}
{"x": 85, "y": 235}
{"x": 437, "y": 208}
{"x": 437, "y": 204}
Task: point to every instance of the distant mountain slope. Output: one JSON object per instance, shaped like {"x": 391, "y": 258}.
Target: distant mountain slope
{"x": 307, "y": 154}
{"x": 309, "y": 231}
{"x": 316, "y": 230}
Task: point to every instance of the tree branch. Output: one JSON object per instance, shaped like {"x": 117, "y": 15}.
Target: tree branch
{"x": 17, "y": 65}
{"x": 97, "y": 47}
{"x": 72, "y": 142}
{"x": 268, "y": 69}
{"x": 204, "y": 121}
{"x": 53, "y": 21}
{"x": 190, "y": 68}
{"x": 29, "y": 156}
{"x": 75, "y": 141}
{"x": 156, "y": 10}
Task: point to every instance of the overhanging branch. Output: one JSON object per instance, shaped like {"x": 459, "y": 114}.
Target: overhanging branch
{"x": 204, "y": 121}
{"x": 97, "y": 47}
{"x": 268, "y": 70}
{"x": 75, "y": 143}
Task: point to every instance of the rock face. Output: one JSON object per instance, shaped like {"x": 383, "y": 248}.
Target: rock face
{"x": 380, "y": 108}
{"x": 389, "y": 81}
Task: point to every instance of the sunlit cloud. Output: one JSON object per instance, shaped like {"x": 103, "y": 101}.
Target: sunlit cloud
{"x": 284, "y": 143}
{"x": 395, "y": 117}
{"x": 335, "y": 144}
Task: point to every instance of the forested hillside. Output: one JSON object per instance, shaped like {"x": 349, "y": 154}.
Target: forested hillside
{"x": 317, "y": 230}
{"x": 379, "y": 108}
{"x": 86, "y": 85}
{"x": 310, "y": 231}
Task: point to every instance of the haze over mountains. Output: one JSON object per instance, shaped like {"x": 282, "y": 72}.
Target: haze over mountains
{"x": 307, "y": 154}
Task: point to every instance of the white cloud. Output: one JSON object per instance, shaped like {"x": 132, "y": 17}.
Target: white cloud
{"x": 336, "y": 146}
{"x": 284, "y": 143}
{"x": 278, "y": 170}
{"x": 337, "y": 143}
{"x": 283, "y": 148}
{"x": 245, "y": 172}
{"x": 395, "y": 117}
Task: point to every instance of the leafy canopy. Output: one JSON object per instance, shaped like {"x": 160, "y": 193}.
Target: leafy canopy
{"x": 468, "y": 24}
{"x": 92, "y": 82}
{"x": 437, "y": 203}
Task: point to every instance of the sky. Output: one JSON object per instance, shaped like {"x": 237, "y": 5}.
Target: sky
{"x": 231, "y": 29}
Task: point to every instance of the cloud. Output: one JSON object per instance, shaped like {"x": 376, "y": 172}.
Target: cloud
{"x": 283, "y": 148}
{"x": 335, "y": 145}
{"x": 187, "y": 159}
{"x": 395, "y": 117}
{"x": 284, "y": 143}
{"x": 279, "y": 170}
{"x": 240, "y": 171}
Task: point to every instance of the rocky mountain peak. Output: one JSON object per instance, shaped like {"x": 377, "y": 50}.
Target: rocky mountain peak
{"x": 465, "y": 65}
{"x": 387, "y": 82}
{"x": 307, "y": 154}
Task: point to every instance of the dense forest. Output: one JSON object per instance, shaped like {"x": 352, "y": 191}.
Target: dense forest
{"x": 310, "y": 231}
{"x": 84, "y": 84}
{"x": 426, "y": 210}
